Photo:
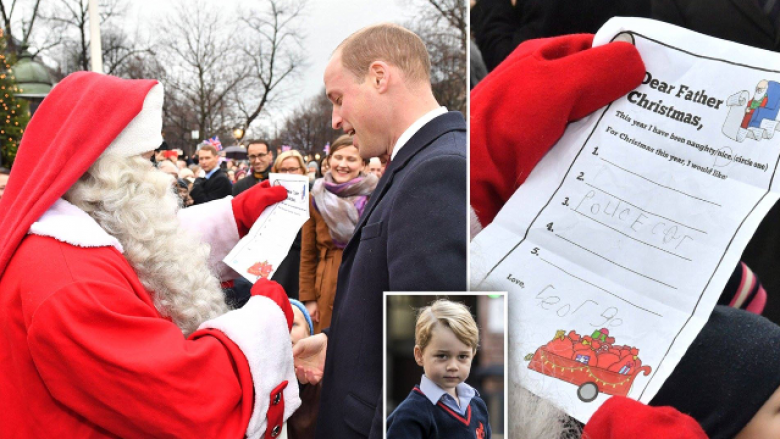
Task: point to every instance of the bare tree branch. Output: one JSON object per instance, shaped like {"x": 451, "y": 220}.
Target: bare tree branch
{"x": 274, "y": 53}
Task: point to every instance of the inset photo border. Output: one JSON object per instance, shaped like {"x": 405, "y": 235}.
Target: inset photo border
{"x": 403, "y": 375}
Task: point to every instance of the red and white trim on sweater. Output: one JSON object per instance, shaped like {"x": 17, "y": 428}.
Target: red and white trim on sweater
{"x": 747, "y": 284}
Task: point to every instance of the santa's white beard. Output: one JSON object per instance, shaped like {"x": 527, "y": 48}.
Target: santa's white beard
{"x": 759, "y": 96}
{"x": 134, "y": 202}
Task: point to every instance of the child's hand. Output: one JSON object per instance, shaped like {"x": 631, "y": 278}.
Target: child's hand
{"x": 314, "y": 310}
{"x": 309, "y": 358}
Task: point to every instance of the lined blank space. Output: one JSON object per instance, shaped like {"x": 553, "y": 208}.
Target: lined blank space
{"x": 601, "y": 288}
{"x": 631, "y": 237}
{"x": 615, "y": 263}
{"x": 659, "y": 184}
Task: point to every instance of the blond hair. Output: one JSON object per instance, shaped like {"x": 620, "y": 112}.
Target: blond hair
{"x": 286, "y": 155}
{"x": 387, "y": 42}
{"x": 455, "y": 316}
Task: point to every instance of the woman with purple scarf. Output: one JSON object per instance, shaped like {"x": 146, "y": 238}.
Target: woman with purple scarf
{"x": 337, "y": 201}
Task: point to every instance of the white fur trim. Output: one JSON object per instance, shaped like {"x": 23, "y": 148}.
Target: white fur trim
{"x": 67, "y": 223}
{"x": 143, "y": 133}
{"x": 259, "y": 329}
{"x": 214, "y": 224}
{"x": 474, "y": 224}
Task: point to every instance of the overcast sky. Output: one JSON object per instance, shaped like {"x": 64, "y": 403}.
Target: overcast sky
{"x": 326, "y": 24}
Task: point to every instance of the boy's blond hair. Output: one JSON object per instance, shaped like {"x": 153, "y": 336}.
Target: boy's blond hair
{"x": 453, "y": 315}
{"x": 387, "y": 42}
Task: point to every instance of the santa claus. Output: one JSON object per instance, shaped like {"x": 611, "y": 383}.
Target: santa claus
{"x": 112, "y": 318}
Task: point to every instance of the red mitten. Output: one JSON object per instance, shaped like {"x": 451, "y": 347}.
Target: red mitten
{"x": 522, "y": 107}
{"x": 275, "y": 292}
{"x": 248, "y": 205}
{"x": 621, "y": 417}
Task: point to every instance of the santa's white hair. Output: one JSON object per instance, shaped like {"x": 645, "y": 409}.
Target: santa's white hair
{"x": 135, "y": 203}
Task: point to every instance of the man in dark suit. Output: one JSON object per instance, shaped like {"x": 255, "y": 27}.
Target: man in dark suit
{"x": 412, "y": 235}
{"x": 216, "y": 184}
{"x": 260, "y": 158}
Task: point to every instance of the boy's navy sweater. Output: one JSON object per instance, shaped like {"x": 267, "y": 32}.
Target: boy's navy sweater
{"x": 416, "y": 418}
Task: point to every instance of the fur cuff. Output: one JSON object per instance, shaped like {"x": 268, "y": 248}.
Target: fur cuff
{"x": 214, "y": 224}
{"x": 259, "y": 329}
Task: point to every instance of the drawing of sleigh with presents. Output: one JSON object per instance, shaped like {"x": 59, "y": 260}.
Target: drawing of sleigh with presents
{"x": 593, "y": 363}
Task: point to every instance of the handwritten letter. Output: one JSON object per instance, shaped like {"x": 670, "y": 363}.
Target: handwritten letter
{"x": 616, "y": 249}
{"x": 259, "y": 253}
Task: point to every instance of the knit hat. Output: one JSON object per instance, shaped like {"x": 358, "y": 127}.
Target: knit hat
{"x": 728, "y": 373}
{"x": 305, "y": 312}
{"x": 313, "y": 164}
{"x": 80, "y": 118}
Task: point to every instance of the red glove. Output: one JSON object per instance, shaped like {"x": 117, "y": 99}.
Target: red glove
{"x": 522, "y": 107}
{"x": 622, "y": 417}
{"x": 275, "y": 292}
{"x": 248, "y": 205}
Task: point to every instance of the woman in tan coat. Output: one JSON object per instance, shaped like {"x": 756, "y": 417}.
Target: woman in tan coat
{"x": 337, "y": 201}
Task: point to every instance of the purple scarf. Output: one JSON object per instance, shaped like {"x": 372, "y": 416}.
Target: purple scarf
{"x": 341, "y": 204}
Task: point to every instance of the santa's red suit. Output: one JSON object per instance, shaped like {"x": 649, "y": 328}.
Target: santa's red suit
{"x": 84, "y": 352}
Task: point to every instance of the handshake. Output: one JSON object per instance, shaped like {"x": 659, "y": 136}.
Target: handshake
{"x": 308, "y": 352}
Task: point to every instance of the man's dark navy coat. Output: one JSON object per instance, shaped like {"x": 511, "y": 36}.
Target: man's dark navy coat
{"x": 412, "y": 237}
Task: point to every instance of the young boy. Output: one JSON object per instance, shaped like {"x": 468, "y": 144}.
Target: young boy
{"x": 443, "y": 405}
{"x": 302, "y": 325}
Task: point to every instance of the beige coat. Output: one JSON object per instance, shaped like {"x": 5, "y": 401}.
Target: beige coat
{"x": 320, "y": 261}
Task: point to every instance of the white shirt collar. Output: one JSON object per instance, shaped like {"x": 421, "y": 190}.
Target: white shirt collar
{"x": 413, "y": 128}
{"x": 434, "y": 393}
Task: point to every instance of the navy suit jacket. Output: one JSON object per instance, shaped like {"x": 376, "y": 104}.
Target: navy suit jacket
{"x": 411, "y": 237}
{"x": 209, "y": 189}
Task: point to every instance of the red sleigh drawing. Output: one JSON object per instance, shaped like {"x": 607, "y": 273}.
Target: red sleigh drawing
{"x": 593, "y": 363}
{"x": 261, "y": 269}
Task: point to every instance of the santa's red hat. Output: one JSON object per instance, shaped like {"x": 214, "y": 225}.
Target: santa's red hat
{"x": 84, "y": 116}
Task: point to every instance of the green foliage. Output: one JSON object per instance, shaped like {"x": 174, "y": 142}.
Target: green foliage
{"x": 14, "y": 112}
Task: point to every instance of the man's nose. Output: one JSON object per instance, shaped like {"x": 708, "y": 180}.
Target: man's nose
{"x": 336, "y": 119}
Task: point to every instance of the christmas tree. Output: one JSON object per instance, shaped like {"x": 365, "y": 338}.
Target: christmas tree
{"x": 14, "y": 112}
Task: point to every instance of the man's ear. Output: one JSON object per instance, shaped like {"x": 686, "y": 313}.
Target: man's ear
{"x": 379, "y": 75}
{"x": 418, "y": 355}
